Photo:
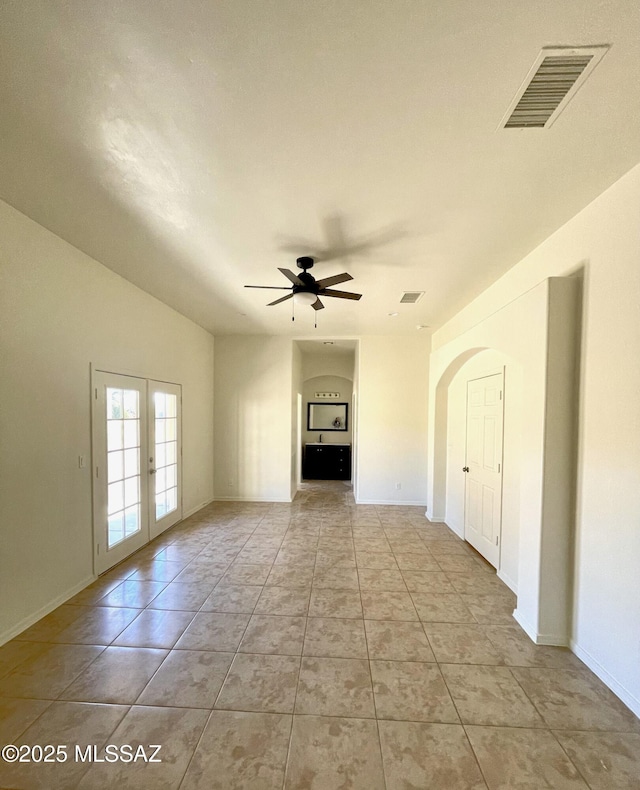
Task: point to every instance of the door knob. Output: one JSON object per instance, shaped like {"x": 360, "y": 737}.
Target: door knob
{"x": 152, "y": 471}
{"x": 465, "y": 468}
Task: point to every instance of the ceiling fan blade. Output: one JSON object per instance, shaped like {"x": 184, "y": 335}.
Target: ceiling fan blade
{"x": 282, "y": 299}
{"x": 291, "y": 276}
{"x": 335, "y": 280}
{"x": 271, "y": 287}
{"x": 340, "y": 294}
{"x": 317, "y": 305}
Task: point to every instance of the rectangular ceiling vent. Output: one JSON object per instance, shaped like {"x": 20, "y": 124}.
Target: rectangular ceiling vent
{"x": 553, "y": 80}
{"x": 411, "y": 297}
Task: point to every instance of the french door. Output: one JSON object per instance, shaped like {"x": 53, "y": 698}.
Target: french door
{"x": 164, "y": 456}
{"x": 136, "y": 463}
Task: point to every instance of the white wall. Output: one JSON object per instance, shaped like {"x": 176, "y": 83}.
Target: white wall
{"x": 253, "y": 418}
{"x": 393, "y": 376}
{"x": 61, "y": 311}
{"x": 253, "y": 423}
{"x": 328, "y": 364}
{"x": 603, "y": 239}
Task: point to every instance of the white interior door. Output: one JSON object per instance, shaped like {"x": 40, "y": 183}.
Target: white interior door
{"x": 120, "y": 472}
{"x": 483, "y": 488}
{"x": 165, "y": 456}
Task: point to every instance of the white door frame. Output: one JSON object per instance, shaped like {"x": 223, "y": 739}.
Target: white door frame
{"x": 103, "y": 557}
{"x": 158, "y": 526}
{"x": 490, "y": 552}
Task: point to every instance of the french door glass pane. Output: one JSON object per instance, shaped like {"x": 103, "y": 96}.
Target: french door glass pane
{"x": 170, "y": 452}
{"x": 131, "y": 462}
{"x": 114, "y": 404}
{"x": 115, "y": 497}
{"x": 115, "y": 461}
{"x": 114, "y": 434}
{"x": 123, "y": 466}
{"x": 131, "y": 433}
{"x": 166, "y": 433}
{"x": 116, "y": 527}
{"x": 131, "y": 520}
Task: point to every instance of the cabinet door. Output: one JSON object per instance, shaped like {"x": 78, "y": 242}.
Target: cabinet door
{"x": 312, "y": 459}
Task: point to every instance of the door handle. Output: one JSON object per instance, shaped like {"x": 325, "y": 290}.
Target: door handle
{"x": 465, "y": 468}
{"x": 152, "y": 471}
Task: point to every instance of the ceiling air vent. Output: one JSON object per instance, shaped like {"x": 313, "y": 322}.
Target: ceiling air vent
{"x": 411, "y": 297}
{"x": 551, "y": 83}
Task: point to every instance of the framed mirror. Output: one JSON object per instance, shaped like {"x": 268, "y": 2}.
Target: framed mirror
{"x": 327, "y": 416}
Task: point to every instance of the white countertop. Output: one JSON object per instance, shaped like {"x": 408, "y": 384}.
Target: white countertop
{"x": 327, "y": 444}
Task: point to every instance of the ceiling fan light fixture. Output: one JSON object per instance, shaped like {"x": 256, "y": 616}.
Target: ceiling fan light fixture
{"x": 306, "y": 290}
{"x": 304, "y": 297}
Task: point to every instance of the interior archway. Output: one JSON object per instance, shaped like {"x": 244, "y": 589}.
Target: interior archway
{"x": 483, "y": 362}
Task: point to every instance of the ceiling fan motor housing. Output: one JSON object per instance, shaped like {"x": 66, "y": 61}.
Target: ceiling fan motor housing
{"x": 309, "y": 283}
{"x": 304, "y": 262}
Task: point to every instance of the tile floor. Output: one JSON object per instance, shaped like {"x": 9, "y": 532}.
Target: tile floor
{"x": 316, "y": 645}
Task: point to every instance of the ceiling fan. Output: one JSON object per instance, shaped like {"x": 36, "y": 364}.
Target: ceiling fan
{"x": 306, "y": 289}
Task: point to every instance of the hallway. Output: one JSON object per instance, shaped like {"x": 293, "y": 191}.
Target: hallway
{"x": 313, "y": 645}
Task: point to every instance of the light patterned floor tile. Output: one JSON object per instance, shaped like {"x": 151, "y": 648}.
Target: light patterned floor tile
{"x": 411, "y": 691}
{"x": 274, "y": 634}
{"x": 521, "y": 759}
{"x": 606, "y": 760}
{"x": 334, "y": 637}
{"x": 335, "y": 603}
{"x": 260, "y": 683}
{"x": 428, "y": 756}
{"x": 187, "y": 679}
{"x": 176, "y": 730}
{"x": 239, "y": 751}
{"x": 335, "y": 687}
{"x": 397, "y": 641}
{"x": 334, "y": 754}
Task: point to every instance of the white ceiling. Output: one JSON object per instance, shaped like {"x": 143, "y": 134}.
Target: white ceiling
{"x": 193, "y": 146}
{"x": 330, "y": 348}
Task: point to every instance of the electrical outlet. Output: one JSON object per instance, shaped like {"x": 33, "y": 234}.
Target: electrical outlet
{"x": 230, "y": 483}
{"x": 398, "y": 486}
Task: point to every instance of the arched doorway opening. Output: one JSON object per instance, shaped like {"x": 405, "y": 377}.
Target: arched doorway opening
{"x": 450, "y": 450}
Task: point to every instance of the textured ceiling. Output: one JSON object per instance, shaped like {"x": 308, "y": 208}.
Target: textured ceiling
{"x": 194, "y": 147}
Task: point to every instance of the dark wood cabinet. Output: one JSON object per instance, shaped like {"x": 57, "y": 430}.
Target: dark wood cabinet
{"x": 327, "y": 462}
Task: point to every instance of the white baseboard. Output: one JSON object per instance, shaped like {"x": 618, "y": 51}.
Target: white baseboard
{"x": 555, "y": 640}
{"x": 459, "y": 531}
{"x": 434, "y": 517}
{"x": 508, "y": 581}
{"x": 196, "y": 508}
{"x": 250, "y": 499}
{"x": 529, "y": 630}
{"x": 403, "y": 503}
{"x": 632, "y": 702}
{"x": 28, "y": 621}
